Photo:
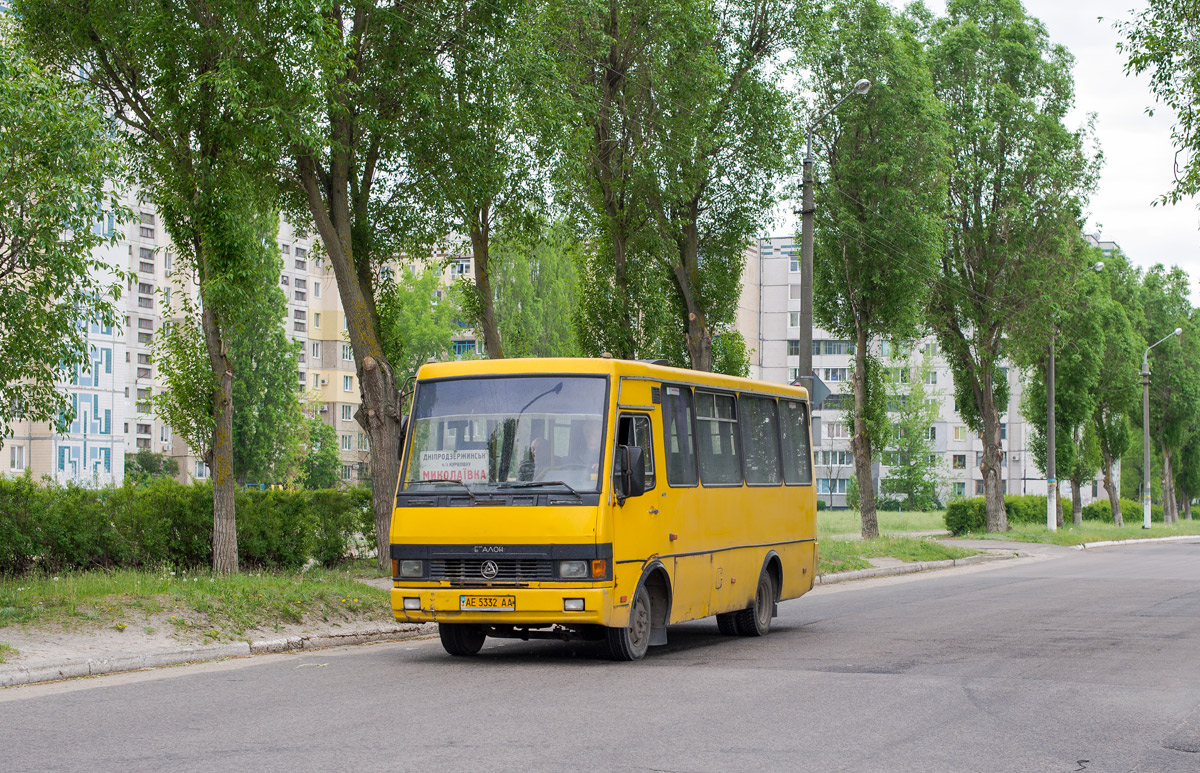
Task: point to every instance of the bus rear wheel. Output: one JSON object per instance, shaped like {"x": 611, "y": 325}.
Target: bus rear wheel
{"x": 632, "y": 641}
{"x": 461, "y": 639}
{"x": 727, "y": 623}
{"x": 756, "y": 621}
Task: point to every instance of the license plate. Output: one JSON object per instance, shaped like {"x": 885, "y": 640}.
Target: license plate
{"x": 494, "y": 603}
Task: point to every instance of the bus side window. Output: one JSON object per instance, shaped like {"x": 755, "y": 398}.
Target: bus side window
{"x": 797, "y": 461}
{"x": 760, "y": 440}
{"x": 635, "y": 431}
{"x": 716, "y": 439}
{"x": 677, "y": 434}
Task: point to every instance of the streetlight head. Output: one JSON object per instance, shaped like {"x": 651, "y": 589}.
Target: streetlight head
{"x": 1099, "y": 266}
{"x": 862, "y": 87}
{"x": 1178, "y": 331}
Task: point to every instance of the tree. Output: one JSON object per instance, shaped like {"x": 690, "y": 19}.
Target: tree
{"x": 913, "y": 407}
{"x": 415, "y": 323}
{"x": 344, "y": 98}
{"x": 185, "y": 85}
{"x": 57, "y": 210}
{"x": 1079, "y": 346}
{"x": 1116, "y": 393}
{"x": 321, "y": 462}
{"x": 145, "y": 465}
{"x": 470, "y": 158}
{"x": 1161, "y": 41}
{"x": 881, "y": 209}
{"x": 537, "y": 286}
{"x": 1016, "y": 188}
{"x": 266, "y": 410}
{"x": 1174, "y": 388}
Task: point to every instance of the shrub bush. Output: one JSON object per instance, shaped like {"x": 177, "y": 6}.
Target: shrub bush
{"x": 964, "y": 515}
{"x": 55, "y": 528}
{"x": 821, "y": 504}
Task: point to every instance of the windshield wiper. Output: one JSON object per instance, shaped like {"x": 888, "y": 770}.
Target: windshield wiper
{"x": 539, "y": 484}
{"x": 466, "y": 488}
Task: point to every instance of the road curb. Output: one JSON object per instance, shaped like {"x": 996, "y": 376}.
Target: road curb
{"x": 913, "y": 568}
{"x": 16, "y": 675}
{"x": 1112, "y": 542}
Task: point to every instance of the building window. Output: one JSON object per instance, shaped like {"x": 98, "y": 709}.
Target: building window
{"x": 146, "y": 218}
{"x": 164, "y": 434}
{"x": 145, "y": 324}
{"x": 16, "y": 458}
{"x": 143, "y": 429}
{"x": 347, "y": 413}
{"x": 283, "y": 280}
{"x": 201, "y": 470}
{"x": 145, "y": 338}
{"x": 146, "y": 267}
{"x": 958, "y": 461}
{"x": 145, "y": 289}
{"x": 1003, "y": 431}
{"x": 347, "y": 383}
{"x": 316, "y": 380}
{"x": 347, "y": 472}
{"x": 316, "y": 350}
{"x": 145, "y": 231}
{"x": 301, "y": 264}
{"x": 793, "y": 347}
{"x": 933, "y": 433}
{"x": 978, "y": 488}
{"x": 794, "y": 264}
{"x": 301, "y": 253}
{"x": 836, "y": 429}
{"x": 831, "y": 485}
{"x": 794, "y": 292}
{"x": 837, "y": 374}
{"x": 347, "y": 353}
{"x": 960, "y": 432}
{"x": 793, "y": 319}
{"x": 143, "y": 442}
{"x": 143, "y": 359}
{"x": 347, "y": 443}
{"x": 301, "y": 296}
{"x": 960, "y": 489}
{"x": 143, "y": 373}
{"x": 316, "y": 289}
{"x": 300, "y": 284}
{"x": 931, "y": 377}
{"x": 363, "y": 442}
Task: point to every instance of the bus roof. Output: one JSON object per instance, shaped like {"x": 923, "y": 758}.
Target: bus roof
{"x": 511, "y": 366}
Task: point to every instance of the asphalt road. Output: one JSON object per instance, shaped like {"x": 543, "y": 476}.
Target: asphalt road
{"x": 1085, "y": 661}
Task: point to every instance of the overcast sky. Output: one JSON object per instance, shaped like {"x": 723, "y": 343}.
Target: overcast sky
{"x": 1138, "y": 155}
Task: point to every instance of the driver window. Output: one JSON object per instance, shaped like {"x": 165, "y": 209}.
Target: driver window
{"x": 634, "y": 431}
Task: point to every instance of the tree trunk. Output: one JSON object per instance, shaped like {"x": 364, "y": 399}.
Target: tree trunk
{"x": 860, "y": 441}
{"x": 1058, "y": 508}
{"x": 380, "y": 416}
{"x": 699, "y": 337}
{"x": 1168, "y": 486}
{"x": 1110, "y": 487}
{"x": 1187, "y": 505}
{"x": 1076, "y": 503}
{"x": 220, "y": 456}
{"x": 480, "y": 245}
{"x": 989, "y": 467}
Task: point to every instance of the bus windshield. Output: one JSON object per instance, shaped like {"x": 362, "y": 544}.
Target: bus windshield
{"x": 496, "y": 433}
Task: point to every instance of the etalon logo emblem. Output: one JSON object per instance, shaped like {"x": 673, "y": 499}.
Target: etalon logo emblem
{"x": 489, "y": 570}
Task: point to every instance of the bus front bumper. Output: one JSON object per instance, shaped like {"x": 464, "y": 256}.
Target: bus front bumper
{"x": 505, "y": 606}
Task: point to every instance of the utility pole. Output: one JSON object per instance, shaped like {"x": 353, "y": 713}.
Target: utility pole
{"x": 807, "y": 208}
{"x": 1146, "y": 426}
{"x": 1051, "y": 477}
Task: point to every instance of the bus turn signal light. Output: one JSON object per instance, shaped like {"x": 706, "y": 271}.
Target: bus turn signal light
{"x": 599, "y": 569}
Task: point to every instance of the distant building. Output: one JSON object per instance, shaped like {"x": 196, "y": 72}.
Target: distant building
{"x": 769, "y": 319}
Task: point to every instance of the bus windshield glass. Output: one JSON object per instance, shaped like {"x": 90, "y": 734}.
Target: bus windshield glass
{"x": 499, "y": 433}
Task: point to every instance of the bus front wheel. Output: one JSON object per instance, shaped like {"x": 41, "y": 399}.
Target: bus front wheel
{"x": 461, "y": 639}
{"x": 756, "y": 621}
{"x": 632, "y": 641}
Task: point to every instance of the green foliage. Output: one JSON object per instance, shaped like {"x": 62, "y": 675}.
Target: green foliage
{"x": 1131, "y": 512}
{"x": 913, "y": 406}
{"x": 1160, "y": 40}
{"x": 536, "y": 283}
{"x": 970, "y": 515}
{"x": 414, "y": 324}
{"x": 162, "y": 522}
{"x": 821, "y": 505}
{"x": 146, "y": 464}
{"x": 185, "y": 402}
{"x": 852, "y": 499}
{"x": 321, "y": 463}
{"x": 58, "y": 207}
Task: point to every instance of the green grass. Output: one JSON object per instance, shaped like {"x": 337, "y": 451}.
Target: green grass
{"x": 1090, "y": 531}
{"x": 215, "y": 607}
{"x": 5, "y": 651}
{"x": 830, "y": 522}
{"x": 835, "y": 555}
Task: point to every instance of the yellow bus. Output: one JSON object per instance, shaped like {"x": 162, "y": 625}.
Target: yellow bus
{"x": 599, "y": 499}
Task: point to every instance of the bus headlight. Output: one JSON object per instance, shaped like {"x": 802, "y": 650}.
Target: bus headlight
{"x": 573, "y": 570}
{"x": 412, "y": 568}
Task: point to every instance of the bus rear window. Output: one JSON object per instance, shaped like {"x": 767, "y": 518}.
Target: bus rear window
{"x": 797, "y": 462}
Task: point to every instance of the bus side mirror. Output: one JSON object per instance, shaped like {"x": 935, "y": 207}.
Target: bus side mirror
{"x": 403, "y": 434}
{"x": 633, "y": 470}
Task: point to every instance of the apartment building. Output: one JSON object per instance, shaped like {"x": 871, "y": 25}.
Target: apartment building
{"x": 769, "y": 319}
{"x": 113, "y": 398}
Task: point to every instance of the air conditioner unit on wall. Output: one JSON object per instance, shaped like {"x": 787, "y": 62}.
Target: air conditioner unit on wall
{"x": 324, "y": 409}
{"x": 1016, "y": 458}
{"x": 324, "y": 381}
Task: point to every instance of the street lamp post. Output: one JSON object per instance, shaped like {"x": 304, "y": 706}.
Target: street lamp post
{"x": 1146, "y": 426}
{"x": 806, "y": 239}
{"x": 1051, "y": 473}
